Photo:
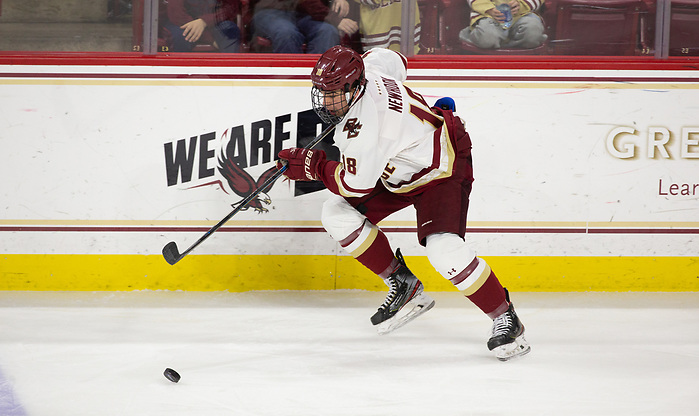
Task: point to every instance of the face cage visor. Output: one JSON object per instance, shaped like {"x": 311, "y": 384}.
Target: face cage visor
{"x": 338, "y": 105}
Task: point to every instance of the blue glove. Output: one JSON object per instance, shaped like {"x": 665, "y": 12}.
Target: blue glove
{"x": 446, "y": 103}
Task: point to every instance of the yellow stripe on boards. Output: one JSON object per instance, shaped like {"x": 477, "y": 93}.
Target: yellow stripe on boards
{"x": 552, "y": 274}
{"x": 602, "y": 274}
{"x": 194, "y": 272}
{"x": 245, "y": 273}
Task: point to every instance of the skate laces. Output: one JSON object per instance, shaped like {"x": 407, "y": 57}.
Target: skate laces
{"x": 502, "y": 324}
{"x": 392, "y": 292}
{"x": 400, "y": 282}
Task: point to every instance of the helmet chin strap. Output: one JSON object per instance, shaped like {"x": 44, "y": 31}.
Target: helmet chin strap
{"x": 352, "y": 96}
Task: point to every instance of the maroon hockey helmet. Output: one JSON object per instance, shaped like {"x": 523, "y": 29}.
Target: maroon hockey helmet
{"x": 339, "y": 68}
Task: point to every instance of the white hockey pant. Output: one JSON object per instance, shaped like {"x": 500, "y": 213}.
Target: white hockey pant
{"x": 347, "y": 226}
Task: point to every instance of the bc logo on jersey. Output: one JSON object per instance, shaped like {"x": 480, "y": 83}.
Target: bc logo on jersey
{"x": 352, "y": 127}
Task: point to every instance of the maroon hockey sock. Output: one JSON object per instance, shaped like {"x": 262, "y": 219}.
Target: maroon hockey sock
{"x": 377, "y": 256}
{"x": 490, "y": 297}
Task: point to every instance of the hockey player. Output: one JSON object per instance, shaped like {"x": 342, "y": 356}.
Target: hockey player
{"x": 397, "y": 151}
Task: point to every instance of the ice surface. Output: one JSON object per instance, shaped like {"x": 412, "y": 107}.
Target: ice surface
{"x": 316, "y": 353}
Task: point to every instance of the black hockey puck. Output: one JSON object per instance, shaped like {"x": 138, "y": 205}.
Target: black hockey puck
{"x": 171, "y": 375}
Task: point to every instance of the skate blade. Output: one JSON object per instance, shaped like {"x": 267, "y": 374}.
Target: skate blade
{"x": 410, "y": 311}
{"x": 512, "y": 350}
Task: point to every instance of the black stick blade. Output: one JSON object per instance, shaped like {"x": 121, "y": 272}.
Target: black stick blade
{"x": 171, "y": 253}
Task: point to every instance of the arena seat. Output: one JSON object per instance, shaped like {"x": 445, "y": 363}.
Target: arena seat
{"x": 441, "y": 21}
{"x": 599, "y": 27}
{"x": 684, "y": 28}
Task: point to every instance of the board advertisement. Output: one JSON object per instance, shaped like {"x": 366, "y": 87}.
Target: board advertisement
{"x": 101, "y": 161}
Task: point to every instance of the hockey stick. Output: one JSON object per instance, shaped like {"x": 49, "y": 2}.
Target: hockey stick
{"x": 172, "y": 254}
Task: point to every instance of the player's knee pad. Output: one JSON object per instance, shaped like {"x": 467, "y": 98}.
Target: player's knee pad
{"x": 455, "y": 260}
{"x": 340, "y": 219}
{"x": 448, "y": 253}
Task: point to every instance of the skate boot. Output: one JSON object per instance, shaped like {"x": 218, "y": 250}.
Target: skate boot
{"x": 405, "y": 300}
{"x": 507, "y": 339}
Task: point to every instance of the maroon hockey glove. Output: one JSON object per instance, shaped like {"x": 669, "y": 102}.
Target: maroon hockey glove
{"x": 301, "y": 164}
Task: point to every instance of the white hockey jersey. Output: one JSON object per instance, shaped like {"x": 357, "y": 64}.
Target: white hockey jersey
{"x": 390, "y": 134}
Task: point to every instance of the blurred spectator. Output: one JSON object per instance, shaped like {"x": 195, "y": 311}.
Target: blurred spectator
{"x": 116, "y": 9}
{"x": 203, "y": 21}
{"x": 489, "y": 30}
{"x": 290, "y": 24}
{"x": 380, "y": 24}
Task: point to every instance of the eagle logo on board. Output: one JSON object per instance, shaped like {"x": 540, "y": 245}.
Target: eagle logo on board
{"x": 241, "y": 182}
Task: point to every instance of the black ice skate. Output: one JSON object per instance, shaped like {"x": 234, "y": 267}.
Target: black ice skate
{"x": 405, "y": 300}
{"x": 507, "y": 339}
